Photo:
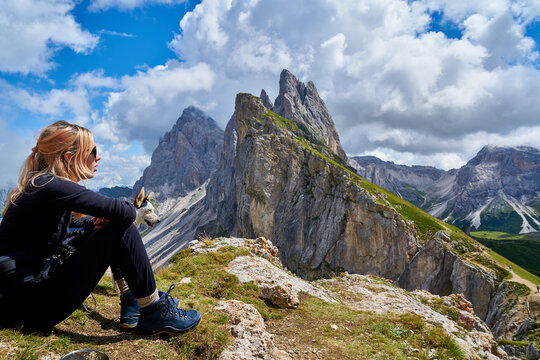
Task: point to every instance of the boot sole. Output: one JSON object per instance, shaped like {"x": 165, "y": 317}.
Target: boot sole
{"x": 169, "y": 332}
{"x": 127, "y": 327}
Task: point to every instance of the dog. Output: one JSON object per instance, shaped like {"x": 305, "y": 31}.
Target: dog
{"x": 146, "y": 212}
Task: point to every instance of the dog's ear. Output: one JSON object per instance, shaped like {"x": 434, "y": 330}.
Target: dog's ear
{"x": 150, "y": 195}
{"x": 139, "y": 198}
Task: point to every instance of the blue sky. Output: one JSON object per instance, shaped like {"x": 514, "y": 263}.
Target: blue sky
{"x": 416, "y": 82}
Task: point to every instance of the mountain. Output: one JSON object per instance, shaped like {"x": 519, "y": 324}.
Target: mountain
{"x": 116, "y": 192}
{"x": 497, "y": 190}
{"x": 185, "y": 156}
{"x": 278, "y": 179}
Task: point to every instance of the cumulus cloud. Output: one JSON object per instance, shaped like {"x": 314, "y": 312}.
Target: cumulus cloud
{"x": 393, "y": 86}
{"x": 57, "y": 103}
{"x": 98, "y": 5}
{"x": 379, "y": 68}
{"x": 31, "y": 31}
{"x": 13, "y": 150}
{"x": 116, "y": 168}
{"x": 151, "y": 101}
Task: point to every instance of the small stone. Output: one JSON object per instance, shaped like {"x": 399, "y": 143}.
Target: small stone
{"x": 335, "y": 327}
{"x": 185, "y": 281}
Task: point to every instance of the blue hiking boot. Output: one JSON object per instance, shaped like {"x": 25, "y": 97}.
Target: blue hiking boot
{"x": 164, "y": 317}
{"x": 129, "y": 311}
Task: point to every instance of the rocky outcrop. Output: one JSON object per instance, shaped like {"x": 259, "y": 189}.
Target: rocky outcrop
{"x": 185, "y": 157}
{"x": 289, "y": 192}
{"x": 453, "y": 313}
{"x": 303, "y": 105}
{"x": 442, "y": 272}
{"x": 251, "y": 340}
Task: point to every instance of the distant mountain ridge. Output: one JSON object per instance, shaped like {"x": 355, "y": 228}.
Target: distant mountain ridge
{"x": 497, "y": 190}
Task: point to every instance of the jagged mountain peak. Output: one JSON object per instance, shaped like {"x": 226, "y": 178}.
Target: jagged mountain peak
{"x": 192, "y": 114}
{"x": 303, "y": 105}
{"x": 266, "y": 100}
{"x": 185, "y": 156}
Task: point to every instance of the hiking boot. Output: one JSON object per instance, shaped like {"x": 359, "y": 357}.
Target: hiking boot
{"x": 164, "y": 317}
{"x": 130, "y": 311}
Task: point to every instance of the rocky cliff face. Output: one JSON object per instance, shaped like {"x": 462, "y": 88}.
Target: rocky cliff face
{"x": 185, "y": 157}
{"x": 303, "y": 105}
{"x": 496, "y": 190}
{"x": 287, "y": 191}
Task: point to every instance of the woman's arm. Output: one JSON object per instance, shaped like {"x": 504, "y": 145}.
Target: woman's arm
{"x": 71, "y": 196}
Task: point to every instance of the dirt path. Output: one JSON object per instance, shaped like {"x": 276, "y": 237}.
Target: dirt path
{"x": 519, "y": 279}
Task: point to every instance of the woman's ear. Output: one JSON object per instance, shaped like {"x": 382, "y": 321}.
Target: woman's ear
{"x": 67, "y": 156}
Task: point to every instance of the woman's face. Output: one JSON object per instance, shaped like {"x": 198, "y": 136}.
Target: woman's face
{"x": 92, "y": 159}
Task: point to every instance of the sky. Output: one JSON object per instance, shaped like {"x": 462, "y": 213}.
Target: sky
{"x": 425, "y": 82}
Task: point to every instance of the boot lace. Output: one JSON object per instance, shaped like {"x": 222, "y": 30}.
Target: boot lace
{"x": 170, "y": 306}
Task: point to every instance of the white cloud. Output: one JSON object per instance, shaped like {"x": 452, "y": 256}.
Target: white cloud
{"x": 95, "y": 79}
{"x": 374, "y": 62}
{"x": 14, "y": 148}
{"x": 57, "y": 103}
{"x": 151, "y": 101}
{"x": 31, "y": 31}
{"x": 391, "y": 85}
{"x": 97, "y": 5}
{"x": 117, "y": 168}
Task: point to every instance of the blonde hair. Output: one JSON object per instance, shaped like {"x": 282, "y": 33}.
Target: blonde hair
{"x": 47, "y": 157}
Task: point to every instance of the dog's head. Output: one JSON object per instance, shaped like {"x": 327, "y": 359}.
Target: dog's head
{"x": 146, "y": 212}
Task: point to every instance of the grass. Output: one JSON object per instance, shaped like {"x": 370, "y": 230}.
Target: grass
{"x": 520, "y": 249}
{"x": 354, "y": 334}
{"x": 515, "y": 267}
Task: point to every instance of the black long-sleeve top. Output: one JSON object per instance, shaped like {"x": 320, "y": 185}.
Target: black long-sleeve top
{"x": 39, "y": 219}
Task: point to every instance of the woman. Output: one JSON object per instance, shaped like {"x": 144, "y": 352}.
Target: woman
{"x": 43, "y": 276}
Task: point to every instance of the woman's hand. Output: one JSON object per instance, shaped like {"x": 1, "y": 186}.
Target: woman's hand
{"x": 99, "y": 222}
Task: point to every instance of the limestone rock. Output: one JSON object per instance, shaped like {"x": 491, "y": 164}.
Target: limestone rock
{"x": 266, "y": 275}
{"x": 251, "y": 340}
{"x": 185, "y": 157}
{"x": 312, "y": 211}
{"x": 281, "y": 295}
{"x": 259, "y": 247}
{"x": 441, "y": 271}
{"x": 532, "y": 352}
{"x": 303, "y": 105}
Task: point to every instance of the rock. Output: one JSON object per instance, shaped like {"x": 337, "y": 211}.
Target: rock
{"x": 185, "y": 157}
{"x": 251, "y": 340}
{"x": 303, "y": 105}
{"x": 185, "y": 281}
{"x": 441, "y": 271}
{"x": 532, "y": 352}
{"x": 523, "y": 329}
{"x": 267, "y": 276}
{"x": 334, "y": 327}
{"x": 309, "y": 207}
{"x": 280, "y": 295}
{"x": 259, "y": 247}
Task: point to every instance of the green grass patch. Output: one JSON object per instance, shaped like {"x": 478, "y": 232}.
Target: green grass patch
{"x": 345, "y": 333}
{"x": 500, "y": 272}
{"x": 520, "y": 249}
{"x": 517, "y": 289}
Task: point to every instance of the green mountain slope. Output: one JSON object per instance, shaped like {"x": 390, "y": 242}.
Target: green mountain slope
{"x": 522, "y": 249}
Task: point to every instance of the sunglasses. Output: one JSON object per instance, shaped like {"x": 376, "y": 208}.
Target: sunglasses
{"x": 94, "y": 151}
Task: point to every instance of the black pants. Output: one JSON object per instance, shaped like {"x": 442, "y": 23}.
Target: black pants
{"x": 40, "y": 306}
